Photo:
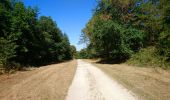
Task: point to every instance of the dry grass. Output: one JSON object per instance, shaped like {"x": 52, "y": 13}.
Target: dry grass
{"x": 147, "y": 83}
{"x": 45, "y": 83}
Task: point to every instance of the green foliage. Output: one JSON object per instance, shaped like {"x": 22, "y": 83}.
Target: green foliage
{"x": 88, "y": 52}
{"x": 134, "y": 39}
{"x": 164, "y": 45}
{"x": 119, "y": 29}
{"x": 112, "y": 40}
{"x": 5, "y": 17}
{"x": 148, "y": 18}
{"x": 27, "y": 40}
{"x": 7, "y": 50}
{"x": 66, "y": 48}
{"x": 164, "y": 37}
{"x": 82, "y": 54}
{"x": 107, "y": 38}
{"x": 73, "y": 51}
{"x": 148, "y": 57}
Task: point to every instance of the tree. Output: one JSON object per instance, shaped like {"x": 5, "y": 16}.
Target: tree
{"x": 73, "y": 51}
{"x": 7, "y": 52}
{"x": 66, "y": 48}
{"x": 120, "y": 28}
{"x": 7, "y": 45}
{"x": 27, "y": 40}
{"x": 5, "y": 18}
{"x": 109, "y": 35}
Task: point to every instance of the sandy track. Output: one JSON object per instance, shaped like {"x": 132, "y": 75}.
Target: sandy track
{"x": 90, "y": 83}
{"x": 45, "y": 83}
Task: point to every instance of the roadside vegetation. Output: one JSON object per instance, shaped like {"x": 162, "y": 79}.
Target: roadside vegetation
{"x": 148, "y": 57}
{"x": 27, "y": 39}
{"x": 137, "y": 31}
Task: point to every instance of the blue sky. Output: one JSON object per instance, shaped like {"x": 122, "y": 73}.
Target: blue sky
{"x": 71, "y": 16}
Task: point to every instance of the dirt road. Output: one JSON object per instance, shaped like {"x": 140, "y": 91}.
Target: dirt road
{"x": 90, "y": 83}
{"x": 45, "y": 83}
{"x": 52, "y": 82}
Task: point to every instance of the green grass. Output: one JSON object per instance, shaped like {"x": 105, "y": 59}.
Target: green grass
{"x": 148, "y": 57}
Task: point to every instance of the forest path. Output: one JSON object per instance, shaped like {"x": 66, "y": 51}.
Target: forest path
{"x": 90, "y": 83}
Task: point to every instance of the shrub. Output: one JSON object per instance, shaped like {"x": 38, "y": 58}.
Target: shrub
{"x": 148, "y": 57}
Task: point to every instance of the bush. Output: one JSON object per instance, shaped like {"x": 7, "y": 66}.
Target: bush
{"x": 164, "y": 45}
{"x": 148, "y": 57}
{"x": 7, "y": 52}
{"x": 12, "y": 66}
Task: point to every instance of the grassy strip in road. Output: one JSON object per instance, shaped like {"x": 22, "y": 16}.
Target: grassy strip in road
{"x": 147, "y": 83}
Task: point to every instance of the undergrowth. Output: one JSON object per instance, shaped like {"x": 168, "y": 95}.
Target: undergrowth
{"x": 149, "y": 57}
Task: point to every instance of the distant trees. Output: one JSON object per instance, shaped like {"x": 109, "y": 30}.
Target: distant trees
{"x": 73, "y": 51}
{"x": 120, "y": 28}
{"x": 26, "y": 39}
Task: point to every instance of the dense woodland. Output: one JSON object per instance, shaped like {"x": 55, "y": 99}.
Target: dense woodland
{"x": 27, "y": 39}
{"x": 133, "y": 31}
{"x": 137, "y": 31}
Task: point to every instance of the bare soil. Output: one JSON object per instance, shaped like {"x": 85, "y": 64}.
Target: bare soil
{"x": 147, "y": 83}
{"x": 45, "y": 83}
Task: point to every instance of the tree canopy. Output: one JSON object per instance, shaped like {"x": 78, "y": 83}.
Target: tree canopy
{"x": 120, "y": 28}
{"x": 29, "y": 39}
